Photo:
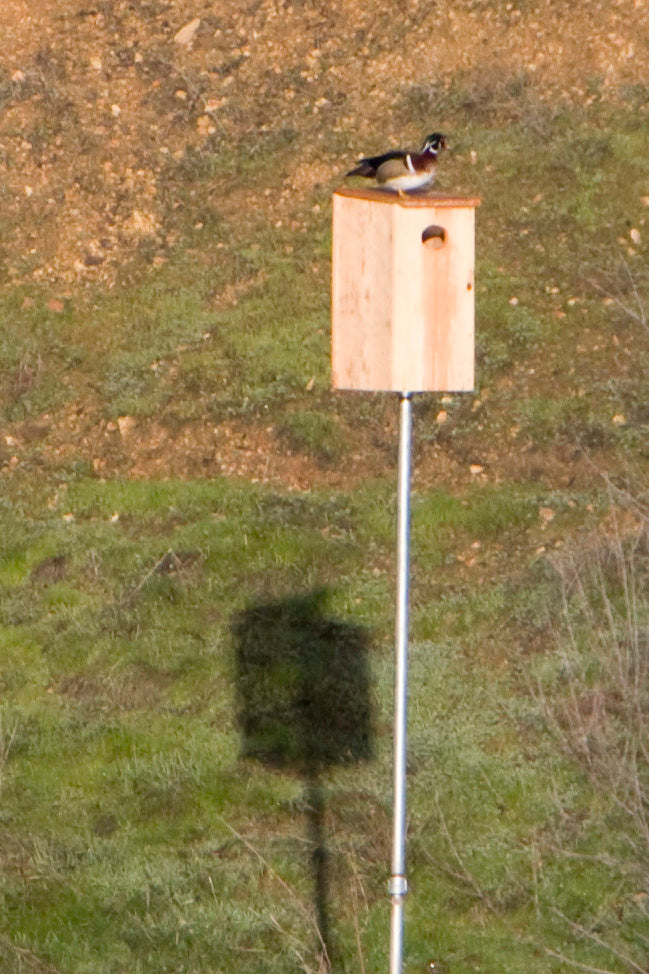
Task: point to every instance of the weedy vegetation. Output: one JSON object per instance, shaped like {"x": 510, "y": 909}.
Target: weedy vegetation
{"x": 185, "y": 785}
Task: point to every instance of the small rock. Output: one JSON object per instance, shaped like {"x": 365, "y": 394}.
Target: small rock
{"x": 144, "y": 223}
{"x": 634, "y": 233}
{"x": 205, "y": 126}
{"x": 546, "y": 514}
{"x": 441, "y": 417}
{"x": 619, "y": 419}
{"x": 125, "y": 425}
{"x": 476, "y": 469}
{"x": 187, "y": 33}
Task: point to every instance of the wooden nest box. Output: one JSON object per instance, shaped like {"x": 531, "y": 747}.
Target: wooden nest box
{"x": 403, "y": 291}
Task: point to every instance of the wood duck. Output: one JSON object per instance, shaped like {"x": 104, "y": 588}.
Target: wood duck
{"x": 403, "y": 171}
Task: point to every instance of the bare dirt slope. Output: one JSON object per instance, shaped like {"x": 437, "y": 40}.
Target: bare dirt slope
{"x": 100, "y": 103}
{"x": 97, "y": 97}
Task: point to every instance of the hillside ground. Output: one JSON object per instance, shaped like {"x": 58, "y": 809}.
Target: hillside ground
{"x": 176, "y": 477}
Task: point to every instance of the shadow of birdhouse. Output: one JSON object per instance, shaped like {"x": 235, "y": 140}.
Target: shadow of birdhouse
{"x": 303, "y": 704}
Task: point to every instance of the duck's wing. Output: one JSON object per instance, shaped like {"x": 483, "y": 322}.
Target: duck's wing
{"x": 393, "y": 167}
{"x": 370, "y": 166}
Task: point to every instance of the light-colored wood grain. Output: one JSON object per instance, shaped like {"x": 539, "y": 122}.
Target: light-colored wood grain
{"x": 402, "y": 309}
{"x": 448, "y": 302}
{"x": 362, "y": 335}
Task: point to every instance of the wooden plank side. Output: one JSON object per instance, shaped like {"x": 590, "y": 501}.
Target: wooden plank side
{"x": 448, "y": 297}
{"x": 361, "y": 294}
{"x": 408, "y": 313}
{"x": 402, "y": 310}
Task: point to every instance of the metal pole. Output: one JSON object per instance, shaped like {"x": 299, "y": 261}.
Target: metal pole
{"x": 398, "y": 885}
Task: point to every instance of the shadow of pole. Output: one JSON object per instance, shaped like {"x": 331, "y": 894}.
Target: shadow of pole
{"x": 303, "y": 703}
{"x": 319, "y": 864}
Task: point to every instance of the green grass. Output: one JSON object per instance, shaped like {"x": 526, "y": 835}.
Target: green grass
{"x": 160, "y": 803}
{"x": 156, "y": 346}
{"x": 162, "y": 345}
{"x": 315, "y": 433}
{"x": 126, "y": 772}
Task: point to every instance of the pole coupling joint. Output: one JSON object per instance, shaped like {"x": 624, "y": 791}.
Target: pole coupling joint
{"x": 397, "y": 886}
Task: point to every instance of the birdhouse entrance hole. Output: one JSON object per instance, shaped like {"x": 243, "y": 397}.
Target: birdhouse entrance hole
{"x": 434, "y": 236}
